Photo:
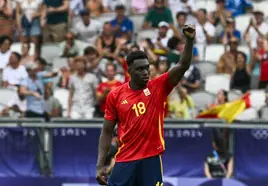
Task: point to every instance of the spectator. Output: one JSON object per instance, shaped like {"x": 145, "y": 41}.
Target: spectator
{"x": 173, "y": 55}
{"x": 104, "y": 88}
{"x": 238, "y": 7}
{"x": 186, "y": 6}
{"x": 149, "y": 48}
{"x": 262, "y": 58}
{"x": 5, "y": 52}
{"x": 15, "y": 107}
{"x": 181, "y": 21}
{"x": 82, "y": 99}
{"x": 14, "y": 73}
{"x": 93, "y": 61}
{"x": 258, "y": 57}
{"x": 52, "y": 106}
{"x": 157, "y": 14}
{"x": 26, "y": 57}
{"x": 230, "y": 31}
{"x": 205, "y": 31}
{"x": 192, "y": 79}
{"x": 33, "y": 89}
{"x": 6, "y": 20}
{"x": 44, "y": 76}
{"x": 141, "y": 6}
{"x": 241, "y": 76}
{"x": 28, "y": 15}
{"x": 222, "y": 98}
{"x": 87, "y": 28}
{"x": 162, "y": 65}
{"x": 219, "y": 16}
{"x": 122, "y": 24}
{"x": 95, "y": 7}
{"x": 161, "y": 41}
{"x": 70, "y": 46}
{"x": 227, "y": 62}
{"x": 67, "y": 73}
{"x": 56, "y": 13}
{"x": 153, "y": 71}
{"x": 106, "y": 42}
{"x": 109, "y": 5}
{"x": 219, "y": 164}
{"x": 182, "y": 108}
{"x": 257, "y": 27}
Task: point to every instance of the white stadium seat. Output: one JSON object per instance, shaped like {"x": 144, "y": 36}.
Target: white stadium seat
{"x": 206, "y": 68}
{"x": 59, "y": 63}
{"x": 264, "y": 113}
{"x": 202, "y": 99}
{"x": 206, "y": 4}
{"x": 214, "y": 52}
{"x": 16, "y": 47}
{"x": 242, "y": 22}
{"x": 50, "y": 51}
{"x": 201, "y": 51}
{"x": 257, "y": 99}
{"x": 106, "y": 17}
{"x": 216, "y": 82}
{"x": 147, "y": 34}
{"x": 62, "y": 95}
{"x": 234, "y": 94}
{"x": 248, "y": 114}
{"x": 6, "y": 95}
{"x": 137, "y": 21}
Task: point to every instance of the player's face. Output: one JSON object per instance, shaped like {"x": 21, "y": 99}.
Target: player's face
{"x": 139, "y": 72}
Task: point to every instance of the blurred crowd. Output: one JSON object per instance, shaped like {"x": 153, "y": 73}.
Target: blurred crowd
{"x": 72, "y": 52}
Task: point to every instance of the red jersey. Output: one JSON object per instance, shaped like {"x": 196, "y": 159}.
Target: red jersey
{"x": 125, "y": 67}
{"x": 264, "y": 66}
{"x": 107, "y": 85}
{"x": 140, "y": 115}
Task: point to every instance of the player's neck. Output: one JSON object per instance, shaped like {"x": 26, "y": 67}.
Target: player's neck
{"x": 135, "y": 86}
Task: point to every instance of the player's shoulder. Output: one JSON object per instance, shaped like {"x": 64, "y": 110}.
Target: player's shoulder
{"x": 119, "y": 89}
{"x": 160, "y": 78}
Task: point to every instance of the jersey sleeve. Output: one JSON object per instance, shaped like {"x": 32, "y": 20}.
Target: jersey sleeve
{"x": 110, "y": 110}
{"x": 163, "y": 83}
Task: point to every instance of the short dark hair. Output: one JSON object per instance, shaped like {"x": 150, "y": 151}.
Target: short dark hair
{"x": 134, "y": 56}
{"x": 27, "y": 43}
{"x": 180, "y": 14}
{"x": 173, "y": 42}
{"x": 42, "y": 61}
{"x": 17, "y": 55}
{"x": 120, "y": 7}
{"x": 244, "y": 55}
{"x": 111, "y": 64}
{"x": 3, "y": 38}
{"x": 90, "y": 50}
{"x": 203, "y": 10}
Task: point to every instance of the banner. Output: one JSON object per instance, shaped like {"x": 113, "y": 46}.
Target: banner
{"x": 18, "y": 152}
{"x": 186, "y": 151}
{"x": 25, "y": 181}
{"x": 251, "y": 153}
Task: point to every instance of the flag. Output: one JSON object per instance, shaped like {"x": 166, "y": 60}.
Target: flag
{"x": 228, "y": 111}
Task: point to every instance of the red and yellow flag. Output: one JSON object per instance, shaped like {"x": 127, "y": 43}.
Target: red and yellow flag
{"x": 228, "y": 111}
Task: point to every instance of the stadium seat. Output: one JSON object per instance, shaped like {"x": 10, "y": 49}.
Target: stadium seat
{"x": 216, "y": 82}
{"x": 202, "y": 99}
{"x": 137, "y": 21}
{"x": 234, "y": 94}
{"x": 248, "y": 114}
{"x": 106, "y": 17}
{"x": 205, "y": 68}
{"x": 242, "y": 22}
{"x": 214, "y": 52}
{"x": 146, "y": 34}
{"x": 50, "y": 51}
{"x": 261, "y": 6}
{"x": 6, "y": 95}
{"x": 62, "y": 95}
{"x": 206, "y": 4}
{"x": 58, "y": 63}
{"x": 257, "y": 99}
{"x": 264, "y": 113}
{"x": 16, "y": 47}
{"x": 201, "y": 51}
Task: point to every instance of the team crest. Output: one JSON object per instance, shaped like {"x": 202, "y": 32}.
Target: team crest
{"x": 146, "y": 92}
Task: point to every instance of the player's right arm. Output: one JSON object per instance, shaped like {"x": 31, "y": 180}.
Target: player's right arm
{"x": 105, "y": 140}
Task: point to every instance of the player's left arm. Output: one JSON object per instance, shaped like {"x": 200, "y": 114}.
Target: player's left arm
{"x": 176, "y": 73}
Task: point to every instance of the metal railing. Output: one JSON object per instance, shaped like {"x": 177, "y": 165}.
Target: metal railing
{"x": 45, "y": 137}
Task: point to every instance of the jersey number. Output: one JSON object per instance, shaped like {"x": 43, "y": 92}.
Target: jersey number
{"x": 139, "y": 108}
{"x": 159, "y": 184}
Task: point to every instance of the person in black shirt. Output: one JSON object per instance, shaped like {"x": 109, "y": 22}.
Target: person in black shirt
{"x": 219, "y": 164}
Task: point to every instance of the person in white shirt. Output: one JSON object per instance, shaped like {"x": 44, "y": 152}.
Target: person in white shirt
{"x": 257, "y": 27}
{"x": 205, "y": 31}
{"x": 14, "y": 73}
{"x": 5, "y": 52}
{"x": 87, "y": 29}
{"x": 162, "y": 39}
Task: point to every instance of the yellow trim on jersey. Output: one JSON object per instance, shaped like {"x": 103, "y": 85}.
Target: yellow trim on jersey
{"x": 160, "y": 131}
{"x": 119, "y": 149}
{"x": 161, "y": 165}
